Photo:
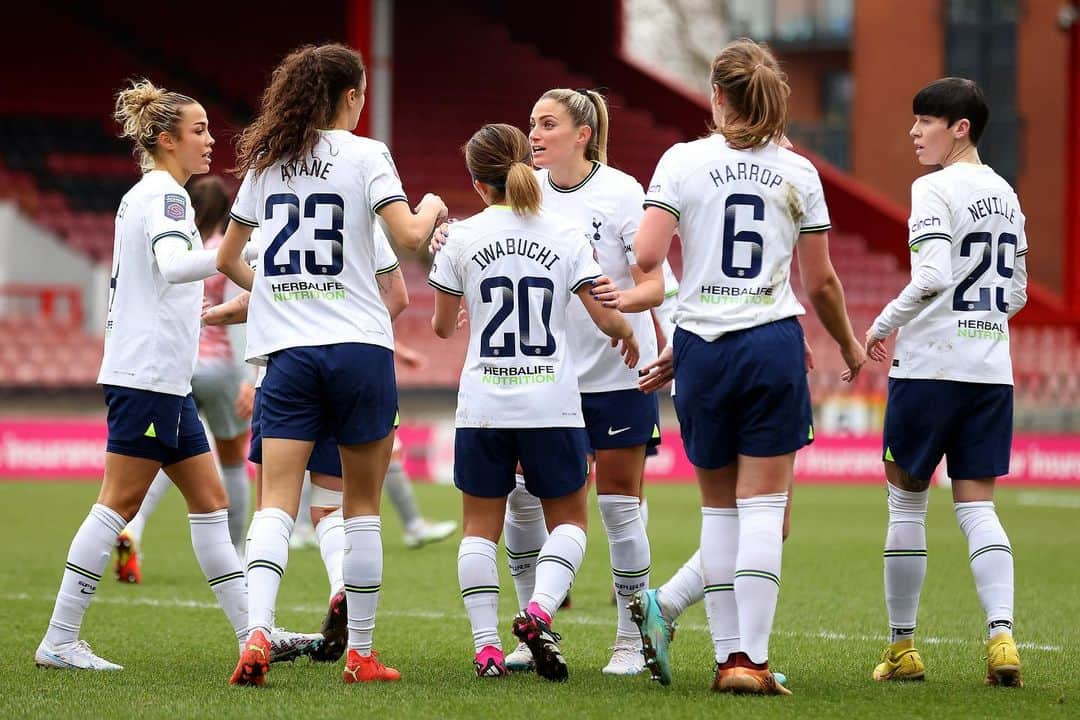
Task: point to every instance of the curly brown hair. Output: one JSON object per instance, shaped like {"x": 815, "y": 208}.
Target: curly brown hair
{"x": 301, "y": 99}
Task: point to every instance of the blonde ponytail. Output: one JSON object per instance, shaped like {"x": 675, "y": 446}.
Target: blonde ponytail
{"x": 144, "y": 111}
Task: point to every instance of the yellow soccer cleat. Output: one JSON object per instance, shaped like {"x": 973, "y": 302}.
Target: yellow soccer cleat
{"x": 1003, "y": 661}
{"x": 900, "y": 661}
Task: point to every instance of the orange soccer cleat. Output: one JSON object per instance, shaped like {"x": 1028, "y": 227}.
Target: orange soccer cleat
{"x": 254, "y": 663}
{"x": 127, "y": 559}
{"x": 367, "y": 668}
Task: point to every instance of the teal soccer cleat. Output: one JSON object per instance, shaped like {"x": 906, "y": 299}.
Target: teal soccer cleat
{"x": 656, "y": 634}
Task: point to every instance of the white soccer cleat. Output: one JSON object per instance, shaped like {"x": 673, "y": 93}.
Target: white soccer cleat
{"x": 521, "y": 660}
{"x": 303, "y": 537}
{"x": 73, "y": 656}
{"x": 286, "y": 646}
{"x": 625, "y": 660}
{"x": 429, "y": 532}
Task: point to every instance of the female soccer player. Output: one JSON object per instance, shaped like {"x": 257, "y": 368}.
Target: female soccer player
{"x": 968, "y": 277}
{"x": 151, "y": 340}
{"x": 741, "y": 203}
{"x": 516, "y": 268}
{"x": 317, "y": 321}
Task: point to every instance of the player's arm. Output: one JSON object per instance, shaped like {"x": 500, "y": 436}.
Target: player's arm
{"x": 647, "y": 293}
{"x": 653, "y": 240}
{"x": 179, "y": 263}
{"x": 409, "y": 229}
{"x": 230, "y": 312}
{"x": 826, "y": 294}
{"x": 1018, "y": 289}
{"x": 612, "y": 323}
{"x": 444, "y": 321}
{"x": 930, "y": 276}
{"x": 230, "y": 255}
{"x": 392, "y": 290}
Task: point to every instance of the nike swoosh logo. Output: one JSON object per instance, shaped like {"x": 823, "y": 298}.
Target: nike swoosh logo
{"x": 83, "y": 591}
{"x": 613, "y": 431}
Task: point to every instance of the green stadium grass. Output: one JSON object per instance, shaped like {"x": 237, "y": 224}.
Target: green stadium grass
{"x": 178, "y": 650}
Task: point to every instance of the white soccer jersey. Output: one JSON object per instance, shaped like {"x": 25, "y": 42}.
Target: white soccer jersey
{"x": 152, "y": 327}
{"x": 606, "y": 206}
{"x": 740, "y": 214}
{"x": 316, "y": 283}
{"x": 963, "y": 333}
{"x": 518, "y": 275}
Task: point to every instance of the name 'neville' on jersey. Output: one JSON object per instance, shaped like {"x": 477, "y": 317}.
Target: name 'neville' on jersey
{"x": 152, "y": 327}
{"x": 963, "y": 333}
{"x": 740, "y": 214}
{"x": 517, "y": 274}
{"x": 606, "y": 206}
{"x": 315, "y": 284}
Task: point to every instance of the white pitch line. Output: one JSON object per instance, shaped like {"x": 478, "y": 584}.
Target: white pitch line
{"x": 572, "y": 619}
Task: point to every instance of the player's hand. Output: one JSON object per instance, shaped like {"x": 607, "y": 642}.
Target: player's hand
{"x": 439, "y": 238}
{"x": 809, "y": 355}
{"x": 462, "y": 318}
{"x": 854, "y": 357}
{"x": 607, "y": 292}
{"x": 409, "y": 357}
{"x": 875, "y": 347}
{"x": 433, "y": 200}
{"x": 628, "y": 348}
{"x": 245, "y": 401}
{"x": 657, "y": 374}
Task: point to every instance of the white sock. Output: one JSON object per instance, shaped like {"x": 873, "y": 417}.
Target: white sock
{"x": 154, "y": 496}
{"x": 268, "y": 556}
{"x": 720, "y": 543}
{"x": 363, "y": 567}
{"x": 685, "y": 588}
{"x": 398, "y": 488}
{"x": 525, "y": 534}
{"x": 219, "y": 562}
{"x": 645, "y": 512}
{"x": 559, "y": 560}
{"x": 905, "y": 560}
{"x": 479, "y": 580}
{"x": 991, "y": 562}
{"x": 630, "y": 558}
{"x": 757, "y": 570}
{"x": 331, "y": 534}
{"x": 86, "y": 561}
{"x": 235, "y": 479}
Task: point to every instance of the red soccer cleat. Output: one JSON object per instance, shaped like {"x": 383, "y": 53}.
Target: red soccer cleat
{"x": 367, "y": 668}
{"x": 127, "y": 559}
{"x": 254, "y": 661}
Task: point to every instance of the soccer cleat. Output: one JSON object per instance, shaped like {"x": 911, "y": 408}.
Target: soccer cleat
{"x": 287, "y": 646}
{"x": 656, "y": 633}
{"x": 1003, "y": 662}
{"x": 254, "y": 663}
{"x": 335, "y": 630}
{"x": 737, "y": 676}
{"x": 303, "y": 537}
{"x": 521, "y": 660}
{"x": 367, "y": 668}
{"x": 429, "y": 532}
{"x": 900, "y": 661}
{"x": 71, "y": 656}
{"x": 625, "y": 661}
{"x": 127, "y": 558}
{"x": 490, "y": 663}
{"x": 543, "y": 644}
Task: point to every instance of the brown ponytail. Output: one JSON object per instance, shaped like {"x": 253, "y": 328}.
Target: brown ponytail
{"x": 586, "y": 107}
{"x": 500, "y": 156}
{"x": 301, "y": 99}
{"x": 755, "y": 94}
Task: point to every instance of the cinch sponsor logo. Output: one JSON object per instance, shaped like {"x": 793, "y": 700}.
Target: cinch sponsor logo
{"x": 532, "y": 375}
{"x": 729, "y": 295}
{"x": 304, "y": 290}
{"x": 923, "y": 223}
{"x": 981, "y": 330}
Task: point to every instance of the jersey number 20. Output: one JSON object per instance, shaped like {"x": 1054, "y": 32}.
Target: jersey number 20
{"x": 500, "y": 289}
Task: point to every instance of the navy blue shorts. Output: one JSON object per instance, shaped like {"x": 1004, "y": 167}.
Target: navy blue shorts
{"x": 621, "y": 419}
{"x": 744, "y": 393}
{"x": 553, "y": 460}
{"x": 346, "y": 391}
{"x": 970, "y": 424}
{"x": 153, "y": 425}
{"x": 324, "y": 459}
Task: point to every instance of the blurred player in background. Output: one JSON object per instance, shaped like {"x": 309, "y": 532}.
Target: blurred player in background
{"x": 317, "y": 321}
{"x": 222, "y": 394}
{"x": 951, "y": 382}
{"x": 151, "y": 343}
{"x": 742, "y": 396}
{"x": 519, "y": 399}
